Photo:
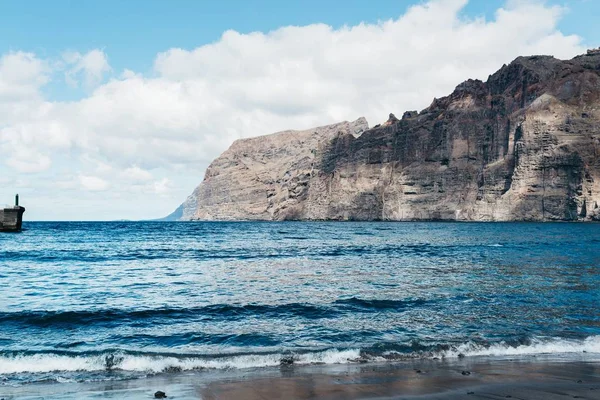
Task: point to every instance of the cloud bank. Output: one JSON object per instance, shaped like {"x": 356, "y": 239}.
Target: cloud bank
{"x": 142, "y": 142}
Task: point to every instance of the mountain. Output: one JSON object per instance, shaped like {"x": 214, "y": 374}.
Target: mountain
{"x": 524, "y": 145}
{"x": 174, "y": 216}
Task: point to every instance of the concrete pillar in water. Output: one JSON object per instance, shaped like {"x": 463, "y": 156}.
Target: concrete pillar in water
{"x": 11, "y": 218}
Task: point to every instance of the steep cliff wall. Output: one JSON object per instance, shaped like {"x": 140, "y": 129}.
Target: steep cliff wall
{"x": 265, "y": 177}
{"x": 524, "y": 145}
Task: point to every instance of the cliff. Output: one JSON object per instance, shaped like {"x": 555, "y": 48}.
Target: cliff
{"x": 523, "y": 145}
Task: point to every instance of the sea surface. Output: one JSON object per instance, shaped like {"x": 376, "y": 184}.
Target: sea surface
{"x": 93, "y": 301}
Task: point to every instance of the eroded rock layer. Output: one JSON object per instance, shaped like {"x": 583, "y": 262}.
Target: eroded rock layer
{"x": 524, "y": 145}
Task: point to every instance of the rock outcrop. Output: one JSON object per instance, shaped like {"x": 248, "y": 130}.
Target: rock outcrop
{"x": 524, "y": 145}
{"x": 265, "y": 177}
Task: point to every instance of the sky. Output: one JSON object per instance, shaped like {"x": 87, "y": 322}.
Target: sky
{"x": 113, "y": 109}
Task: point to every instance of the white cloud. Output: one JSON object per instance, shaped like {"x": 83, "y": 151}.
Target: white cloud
{"x": 89, "y": 67}
{"x": 24, "y": 161}
{"x": 93, "y": 183}
{"x": 198, "y": 101}
{"x": 162, "y": 186}
{"x": 137, "y": 174}
{"x": 21, "y": 76}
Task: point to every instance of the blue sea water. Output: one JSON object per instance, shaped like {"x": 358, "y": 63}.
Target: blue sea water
{"x": 120, "y": 300}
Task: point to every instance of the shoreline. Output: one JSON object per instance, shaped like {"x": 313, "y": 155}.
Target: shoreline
{"x": 530, "y": 377}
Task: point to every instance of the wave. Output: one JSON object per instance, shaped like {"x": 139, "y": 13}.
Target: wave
{"x": 535, "y": 346}
{"x": 116, "y": 316}
{"x": 357, "y": 304}
{"x": 527, "y": 347}
{"x": 228, "y": 311}
{"x": 26, "y": 362}
{"x": 89, "y": 255}
{"x": 48, "y": 362}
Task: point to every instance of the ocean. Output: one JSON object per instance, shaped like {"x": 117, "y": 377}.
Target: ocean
{"x": 106, "y": 301}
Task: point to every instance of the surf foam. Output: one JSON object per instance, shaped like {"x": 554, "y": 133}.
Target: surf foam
{"x": 40, "y": 363}
{"x": 537, "y": 346}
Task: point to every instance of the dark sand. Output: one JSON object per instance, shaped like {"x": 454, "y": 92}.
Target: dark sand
{"x": 484, "y": 378}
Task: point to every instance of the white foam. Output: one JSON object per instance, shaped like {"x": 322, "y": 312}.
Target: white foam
{"x": 537, "y": 346}
{"x": 328, "y": 357}
{"x": 61, "y": 379}
{"x": 37, "y": 363}
{"x": 48, "y": 363}
{"x": 147, "y": 363}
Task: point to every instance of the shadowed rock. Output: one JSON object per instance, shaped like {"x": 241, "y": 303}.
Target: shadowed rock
{"x": 286, "y": 360}
{"x": 391, "y": 120}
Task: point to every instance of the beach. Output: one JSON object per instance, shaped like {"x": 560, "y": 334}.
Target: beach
{"x": 542, "y": 377}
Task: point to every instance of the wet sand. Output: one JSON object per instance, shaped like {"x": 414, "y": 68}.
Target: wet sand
{"x": 534, "y": 378}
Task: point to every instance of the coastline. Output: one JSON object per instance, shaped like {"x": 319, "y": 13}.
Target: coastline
{"x": 530, "y": 377}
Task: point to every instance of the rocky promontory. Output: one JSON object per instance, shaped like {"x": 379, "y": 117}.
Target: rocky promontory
{"x": 524, "y": 145}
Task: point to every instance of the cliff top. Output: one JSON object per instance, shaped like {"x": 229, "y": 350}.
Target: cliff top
{"x": 357, "y": 126}
{"x": 540, "y": 73}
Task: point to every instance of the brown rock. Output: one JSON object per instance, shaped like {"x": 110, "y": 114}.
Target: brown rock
{"x": 523, "y": 145}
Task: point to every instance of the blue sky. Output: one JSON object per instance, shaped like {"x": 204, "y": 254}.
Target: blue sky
{"x": 127, "y": 102}
{"x": 132, "y": 32}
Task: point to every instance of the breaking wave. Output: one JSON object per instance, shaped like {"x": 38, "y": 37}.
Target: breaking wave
{"x": 45, "y": 362}
{"x": 527, "y": 347}
{"x": 23, "y": 362}
{"x": 534, "y": 347}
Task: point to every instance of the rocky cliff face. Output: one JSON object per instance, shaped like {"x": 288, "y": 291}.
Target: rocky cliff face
{"x": 265, "y": 177}
{"x": 524, "y": 145}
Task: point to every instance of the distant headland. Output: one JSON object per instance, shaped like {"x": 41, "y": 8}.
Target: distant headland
{"x": 523, "y": 145}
